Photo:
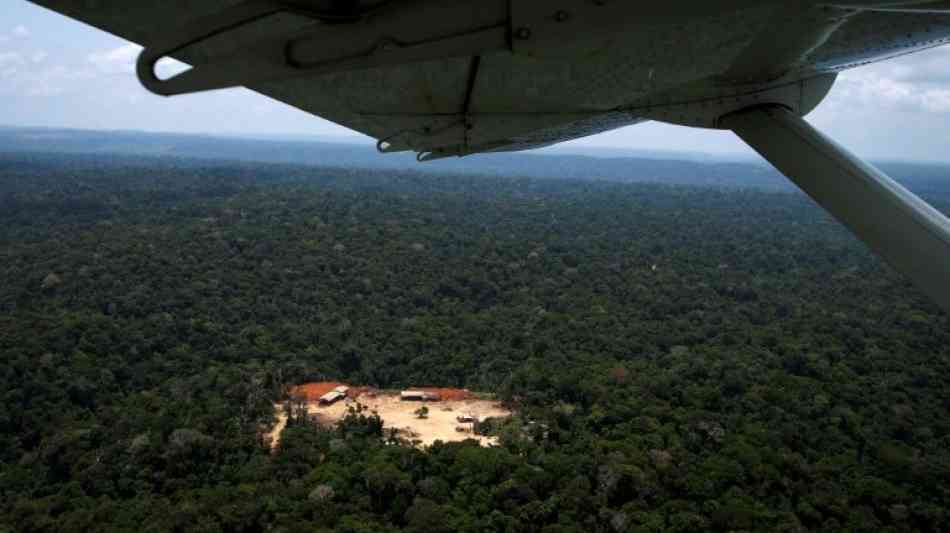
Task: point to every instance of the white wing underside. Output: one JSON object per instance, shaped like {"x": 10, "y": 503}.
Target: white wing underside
{"x": 545, "y": 94}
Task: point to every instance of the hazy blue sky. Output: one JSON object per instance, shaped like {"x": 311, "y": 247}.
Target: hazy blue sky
{"x": 58, "y": 72}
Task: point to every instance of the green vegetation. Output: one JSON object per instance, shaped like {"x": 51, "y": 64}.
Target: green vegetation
{"x": 682, "y": 358}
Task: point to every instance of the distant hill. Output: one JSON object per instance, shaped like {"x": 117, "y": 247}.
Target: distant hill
{"x": 686, "y": 169}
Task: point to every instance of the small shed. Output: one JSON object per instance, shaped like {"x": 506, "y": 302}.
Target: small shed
{"x": 411, "y": 395}
{"x": 466, "y": 419}
{"x": 418, "y": 396}
{"x": 332, "y": 397}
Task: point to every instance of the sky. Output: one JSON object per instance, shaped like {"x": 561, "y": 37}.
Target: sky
{"x": 57, "y": 72}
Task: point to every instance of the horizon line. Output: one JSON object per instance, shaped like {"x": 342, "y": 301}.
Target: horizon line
{"x": 359, "y": 139}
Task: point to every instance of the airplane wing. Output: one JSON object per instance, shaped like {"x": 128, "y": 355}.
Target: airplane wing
{"x": 451, "y": 106}
{"x": 461, "y": 77}
{"x": 458, "y": 77}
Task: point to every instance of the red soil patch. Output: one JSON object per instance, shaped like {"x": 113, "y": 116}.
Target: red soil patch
{"x": 313, "y": 391}
{"x": 355, "y": 392}
{"x": 446, "y": 393}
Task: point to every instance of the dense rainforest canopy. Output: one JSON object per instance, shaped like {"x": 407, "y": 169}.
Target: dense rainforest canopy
{"x": 692, "y": 358}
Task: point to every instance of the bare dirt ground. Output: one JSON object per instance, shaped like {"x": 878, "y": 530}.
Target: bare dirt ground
{"x": 273, "y": 436}
{"x": 440, "y": 424}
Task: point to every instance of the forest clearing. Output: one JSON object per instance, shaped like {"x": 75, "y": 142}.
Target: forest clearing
{"x": 442, "y": 420}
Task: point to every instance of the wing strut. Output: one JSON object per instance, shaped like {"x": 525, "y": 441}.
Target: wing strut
{"x": 908, "y": 233}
